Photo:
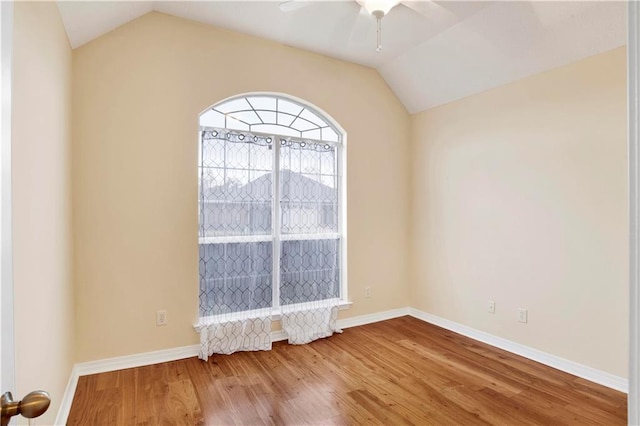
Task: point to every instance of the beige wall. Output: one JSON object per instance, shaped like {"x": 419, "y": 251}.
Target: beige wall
{"x": 137, "y": 95}
{"x": 41, "y": 162}
{"x": 520, "y": 196}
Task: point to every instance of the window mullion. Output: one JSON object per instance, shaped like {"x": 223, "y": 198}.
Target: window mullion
{"x": 275, "y": 224}
{"x": 201, "y": 229}
{"x": 341, "y": 213}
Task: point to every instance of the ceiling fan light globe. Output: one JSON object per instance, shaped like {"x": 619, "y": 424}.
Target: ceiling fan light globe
{"x": 383, "y": 6}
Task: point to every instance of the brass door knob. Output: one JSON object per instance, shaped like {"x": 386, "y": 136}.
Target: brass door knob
{"x": 33, "y": 405}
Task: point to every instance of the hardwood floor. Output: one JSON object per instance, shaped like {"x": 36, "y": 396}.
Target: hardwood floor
{"x": 401, "y": 371}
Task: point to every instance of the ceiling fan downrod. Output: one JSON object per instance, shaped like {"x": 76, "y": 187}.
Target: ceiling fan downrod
{"x": 378, "y": 14}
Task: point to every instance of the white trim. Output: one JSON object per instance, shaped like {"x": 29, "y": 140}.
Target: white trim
{"x": 279, "y": 335}
{"x": 310, "y": 237}
{"x": 114, "y": 364}
{"x": 67, "y": 398}
{"x": 633, "y": 87}
{"x": 571, "y": 367}
{"x": 371, "y": 318}
{"x": 276, "y": 312}
{"x": 277, "y": 235}
{"x": 266, "y": 238}
{"x": 136, "y": 360}
{"x": 173, "y": 354}
{"x": 167, "y": 355}
{"x": 342, "y": 217}
{"x": 276, "y": 229}
{"x": 7, "y": 344}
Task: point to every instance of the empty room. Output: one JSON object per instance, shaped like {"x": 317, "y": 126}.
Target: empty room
{"x": 319, "y": 212}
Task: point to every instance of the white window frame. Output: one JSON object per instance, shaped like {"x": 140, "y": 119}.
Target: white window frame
{"x": 276, "y": 237}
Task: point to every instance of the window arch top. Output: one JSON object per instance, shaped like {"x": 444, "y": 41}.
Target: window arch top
{"x": 270, "y": 114}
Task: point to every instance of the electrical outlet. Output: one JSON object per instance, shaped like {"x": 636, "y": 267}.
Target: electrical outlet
{"x": 161, "y": 318}
{"x": 522, "y": 315}
{"x": 367, "y": 292}
{"x": 492, "y": 307}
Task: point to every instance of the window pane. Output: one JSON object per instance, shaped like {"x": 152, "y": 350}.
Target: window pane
{"x": 312, "y": 134}
{"x": 302, "y": 124}
{"x": 328, "y": 164}
{"x": 268, "y": 117}
{"x": 285, "y": 119}
{"x": 236, "y": 187}
{"x": 289, "y": 158}
{"x": 212, "y": 118}
{"x": 237, "y": 155}
{"x": 236, "y": 201}
{"x": 328, "y": 134}
{"x": 248, "y": 117}
{"x": 309, "y": 270}
{"x": 212, "y": 154}
{"x": 308, "y": 198}
{"x": 209, "y": 178}
{"x": 235, "y": 277}
{"x": 289, "y": 107}
{"x": 260, "y": 157}
{"x": 310, "y": 162}
{"x": 234, "y": 124}
{"x": 262, "y": 102}
{"x": 274, "y": 129}
{"x": 313, "y": 118}
{"x": 234, "y": 105}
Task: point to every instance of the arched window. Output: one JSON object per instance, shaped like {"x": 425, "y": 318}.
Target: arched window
{"x": 271, "y": 225}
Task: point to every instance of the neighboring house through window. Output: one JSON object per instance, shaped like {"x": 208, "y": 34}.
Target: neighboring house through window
{"x": 271, "y": 220}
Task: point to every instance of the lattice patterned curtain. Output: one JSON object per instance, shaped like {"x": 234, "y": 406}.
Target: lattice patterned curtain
{"x": 236, "y": 244}
{"x": 270, "y": 231}
{"x": 310, "y": 240}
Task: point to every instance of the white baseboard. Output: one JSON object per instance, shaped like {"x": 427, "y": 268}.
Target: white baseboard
{"x": 571, "y": 367}
{"x": 117, "y": 363}
{"x": 371, "y": 318}
{"x": 166, "y": 355}
{"x": 174, "y": 354}
{"x": 136, "y": 360}
{"x": 279, "y": 335}
{"x": 67, "y": 398}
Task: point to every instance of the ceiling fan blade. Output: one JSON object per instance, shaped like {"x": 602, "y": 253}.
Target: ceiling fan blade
{"x": 349, "y": 25}
{"x": 429, "y": 9}
{"x": 363, "y": 26}
{"x": 293, "y": 5}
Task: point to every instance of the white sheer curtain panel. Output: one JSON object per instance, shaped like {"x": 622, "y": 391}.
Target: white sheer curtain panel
{"x": 236, "y": 246}
{"x": 310, "y": 240}
{"x": 227, "y": 337}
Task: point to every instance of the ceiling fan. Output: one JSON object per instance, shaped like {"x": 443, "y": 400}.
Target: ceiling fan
{"x": 378, "y": 9}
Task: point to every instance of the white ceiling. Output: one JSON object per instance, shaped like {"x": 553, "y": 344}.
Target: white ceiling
{"x": 451, "y": 49}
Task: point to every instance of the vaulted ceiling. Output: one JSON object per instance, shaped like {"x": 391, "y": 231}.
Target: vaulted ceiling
{"x": 434, "y": 52}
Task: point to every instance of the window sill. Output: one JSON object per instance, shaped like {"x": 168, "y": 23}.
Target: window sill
{"x": 268, "y": 238}
{"x": 276, "y": 313}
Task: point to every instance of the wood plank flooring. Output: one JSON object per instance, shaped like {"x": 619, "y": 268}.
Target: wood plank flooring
{"x": 401, "y": 371}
